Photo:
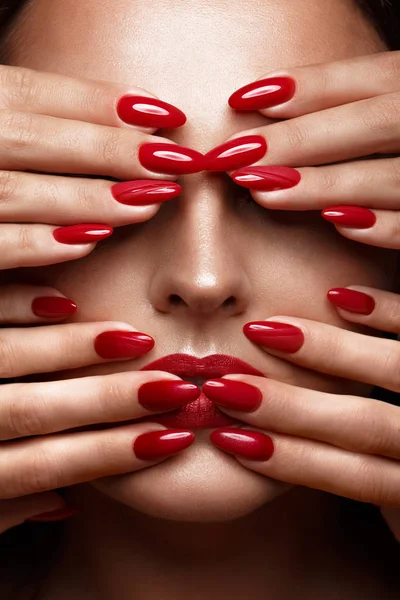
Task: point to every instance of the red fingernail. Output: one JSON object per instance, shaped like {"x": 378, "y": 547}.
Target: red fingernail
{"x": 123, "y": 344}
{"x": 267, "y": 179}
{"x": 278, "y": 336}
{"x": 82, "y": 234}
{"x": 352, "y": 300}
{"x": 55, "y": 515}
{"x": 53, "y": 307}
{"x": 263, "y": 93}
{"x": 236, "y": 153}
{"x": 170, "y": 159}
{"x": 251, "y": 445}
{"x": 149, "y": 112}
{"x": 145, "y": 192}
{"x": 165, "y": 395}
{"x": 236, "y": 395}
{"x": 160, "y": 444}
{"x": 350, "y": 216}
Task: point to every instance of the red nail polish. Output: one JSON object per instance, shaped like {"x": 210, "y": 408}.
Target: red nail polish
{"x": 160, "y": 444}
{"x": 145, "y": 192}
{"x": 82, "y": 234}
{"x": 350, "y": 216}
{"x": 278, "y": 336}
{"x": 267, "y": 179}
{"x": 352, "y": 300}
{"x": 55, "y": 515}
{"x": 236, "y": 153}
{"x": 250, "y": 445}
{"x": 263, "y": 93}
{"x": 123, "y": 344}
{"x": 53, "y": 307}
{"x": 236, "y": 395}
{"x": 170, "y": 159}
{"x": 149, "y": 112}
{"x": 165, "y": 395}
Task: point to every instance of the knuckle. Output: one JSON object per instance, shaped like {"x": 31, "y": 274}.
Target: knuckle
{"x": 391, "y": 370}
{"x": 368, "y": 481}
{"x": 43, "y": 473}
{"x": 327, "y": 180}
{"x": 18, "y": 131}
{"x": 18, "y": 86}
{"x": 9, "y": 183}
{"x": 372, "y": 425}
{"x": 24, "y": 242}
{"x": 85, "y": 196}
{"x": 27, "y": 415}
{"x": 380, "y": 115}
{"x": 8, "y": 359}
{"x": 109, "y": 148}
{"x": 388, "y": 63}
{"x": 297, "y": 134}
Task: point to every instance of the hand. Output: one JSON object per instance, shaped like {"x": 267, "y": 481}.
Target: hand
{"x": 345, "y": 445}
{"x": 344, "y": 112}
{"x": 51, "y": 124}
{"x": 42, "y": 444}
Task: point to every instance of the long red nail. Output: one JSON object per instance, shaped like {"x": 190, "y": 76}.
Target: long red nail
{"x": 123, "y": 344}
{"x": 350, "y": 216}
{"x": 236, "y": 153}
{"x": 170, "y": 159}
{"x": 165, "y": 395}
{"x": 149, "y": 112}
{"x": 236, "y": 395}
{"x": 352, "y": 300}
{"x": 263, "y": 93}
{"x": 250, "y": 445}
{"x": 82, "y": 234}
{"x": 278, "y": 336}
{"x": 55, "y": 515}
{"x": 53, "y": 307}
{"x": 160, "y": 444}
{"x": 145, "y": 192}
{"x": 267, "y": 179}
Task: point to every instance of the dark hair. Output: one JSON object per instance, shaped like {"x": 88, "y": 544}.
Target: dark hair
{"x": 27, "y": 551}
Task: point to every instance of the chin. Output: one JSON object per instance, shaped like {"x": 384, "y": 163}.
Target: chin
{"x": 201, "y": 484}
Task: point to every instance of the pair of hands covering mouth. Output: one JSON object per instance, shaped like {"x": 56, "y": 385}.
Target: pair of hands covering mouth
{"x": 332, "y": 117}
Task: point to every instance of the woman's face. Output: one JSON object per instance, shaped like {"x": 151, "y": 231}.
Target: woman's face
{"x": 213, "y": 259}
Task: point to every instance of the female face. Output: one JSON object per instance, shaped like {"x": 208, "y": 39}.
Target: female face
{"x": 213, "y": 259}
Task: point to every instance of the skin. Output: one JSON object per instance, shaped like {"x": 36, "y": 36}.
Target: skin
{"x": 212, "y": 244}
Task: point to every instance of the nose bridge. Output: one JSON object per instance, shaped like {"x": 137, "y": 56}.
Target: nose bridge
{"x": 204, "y": 272}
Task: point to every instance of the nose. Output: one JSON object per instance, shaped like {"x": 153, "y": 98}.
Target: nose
{"x": 201, "y": 268}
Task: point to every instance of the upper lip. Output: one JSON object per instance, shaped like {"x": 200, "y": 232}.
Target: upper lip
{"x": 208, "y": 367}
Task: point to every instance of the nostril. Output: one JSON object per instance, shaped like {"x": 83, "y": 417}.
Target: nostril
{"x": 229, "y": 302}
{"x": 175, "y": 300}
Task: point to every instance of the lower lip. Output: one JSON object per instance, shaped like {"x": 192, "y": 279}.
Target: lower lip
{"x": 200, "y": 414}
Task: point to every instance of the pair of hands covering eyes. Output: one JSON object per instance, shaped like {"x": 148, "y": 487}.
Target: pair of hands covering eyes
{"x": 340, "y": 111}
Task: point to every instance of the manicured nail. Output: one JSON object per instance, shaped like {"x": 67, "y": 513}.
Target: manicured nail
{"x": 236, "y": 153}
{"x": 278, "y": 336}
{"x": 267, "y": 179}
{"x": 53, "y": 307}
{"x": 123, "y": 344}
{"x": 350, "y": 216}
{"x": 352, "y": 300}
{"x": 160, "y": 444}
{"x": 82, "y": 234}
{"x": 55, "y": 515}
{"x": 250, "y": 445}
{"x": 166, "y": 395}
{"x": 145, "y": 192}
{"x": 263, "y": 93}
{"x": 149, "y": 112}
{"x": 236, "y": 395}
{"x": 170, "y": 159}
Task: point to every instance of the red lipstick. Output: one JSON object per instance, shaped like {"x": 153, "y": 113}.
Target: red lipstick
{"x": 201, "y": 413}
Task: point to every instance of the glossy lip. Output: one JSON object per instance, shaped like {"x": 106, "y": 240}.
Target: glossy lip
{"x": 202, "y": 413}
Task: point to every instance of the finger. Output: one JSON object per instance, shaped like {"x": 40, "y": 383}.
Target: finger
{"x": 16, "y": 511}
{"x": 392, "y": 518}
{"x": 38, "y": 245}
{"x": 68, "y": 346}
{"x": 367, "y": 183}
{"x": 374, "y": 227}
{"x": 50, "y": 462}
{"x": 21, "y": 304}
{"x": 298, "y": 461}
{"x": 368, "y": 306}
{"x": 33, "y": 198}
{"x": 349, "y": 422}
{"x": 101, "y": 102}
{"x": 31, "y": 409}
{"x": 293, "y": 92}
{"x": 328, "y": 349}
